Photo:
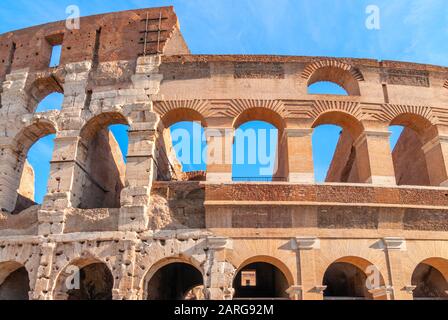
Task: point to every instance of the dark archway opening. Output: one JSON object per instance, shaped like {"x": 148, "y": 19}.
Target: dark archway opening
{"x": 96, "y": 283}
{"x": 260, "y": 281}
{"x": 345, "y": 281}
{"x": 16, "y": 286}
{"x": 430, "y": 283}
{"x": 176, "y": 281}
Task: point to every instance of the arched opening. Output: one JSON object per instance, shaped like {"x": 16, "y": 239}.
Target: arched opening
{"x": 345, "y": 281}
{"x": 183, "y": 150}
{"x": 53, "y": 101}
{"x": 14, "y": 281}
{"x": 45, "y": 94}
{"x": 260, "y": 279}
{"x": 101, "y": 162}
{"x": 35, "y": 146}
{"x": 353, "y": 278}
{"x": 85, "y": 281}
{"x": 341, "y": 76}
{"x": 410, "y": 132}
{"x": 175, "y": 281}
{"x": 327, "y": 87}
{"x": 431, "y": 280}
{"x": 334, "y": 150}
{"x": 258, "y": 146}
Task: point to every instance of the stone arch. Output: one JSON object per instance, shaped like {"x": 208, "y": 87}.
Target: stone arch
{"x": 88, "y": 263}
{"x": 341, "y": 73}
{"x": 260, "y": 114}
{"x": 346, "y": 165}
{"x": 14, "y": 281}
{"x": 189, "y": 272}
{"x": 182, "y": 114}
{"x": 274, "y": 118}
{"x": 279, "y": 280}
{"x": 15, "y": 157}
{"x": 430, "y": 277}
{"x": 343, "y": 119}
{"x": 101, "y": 170}
{"x": 42, "y": 87}
{"x": 346, "y": 278}
{"x": 414, "y": 162}
{"x": 36, "y": 130}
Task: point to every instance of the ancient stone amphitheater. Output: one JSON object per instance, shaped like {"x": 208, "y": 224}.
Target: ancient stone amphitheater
{"x": 140, "y": 229}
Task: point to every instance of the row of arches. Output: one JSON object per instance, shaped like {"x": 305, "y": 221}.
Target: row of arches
{"x": 104, "y": 138}
{"x": 345, "y": 279}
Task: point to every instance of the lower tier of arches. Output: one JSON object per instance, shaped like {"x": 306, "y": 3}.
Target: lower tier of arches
{"x": 196, "y": 266}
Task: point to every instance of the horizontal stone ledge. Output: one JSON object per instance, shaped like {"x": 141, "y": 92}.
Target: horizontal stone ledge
{"x": 316, "y": 204}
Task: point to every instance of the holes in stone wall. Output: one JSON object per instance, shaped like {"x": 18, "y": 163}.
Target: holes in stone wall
{"x": 55, "y": 56}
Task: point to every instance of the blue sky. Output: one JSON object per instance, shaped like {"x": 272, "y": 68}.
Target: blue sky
{"x": 411, "y": 30}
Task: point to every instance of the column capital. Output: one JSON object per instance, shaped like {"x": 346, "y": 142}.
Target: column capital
{"x": 306, "y": 243}
{"x": 219, "y": 243}
{"x": 409, "y": 289}
{"x": 394, "y": 243}
{"x": 295, "y": 292}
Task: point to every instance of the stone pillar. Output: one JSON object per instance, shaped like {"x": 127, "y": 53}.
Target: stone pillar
{"x": 11, "y": 165}
{"x": 394, "y": 248}
{"x": 42, "y": 287}
{"x": 141, "y": 168}
{"x": 14, "y": 97}
{"x": 436, "y": 154}
{"x": 66, "y": 165}
{"x": 306, "y": 248}
{"x": 374, "y": 158}
{"x": 219, "y": 154}
{"x": 299, "y": 155}
{"x": 140, "y": 173}
{"x": 124, "y": 288}
{"x": 218, "y": 280}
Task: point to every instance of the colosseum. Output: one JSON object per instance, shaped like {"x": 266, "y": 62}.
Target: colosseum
{"x": 143, "y": 229}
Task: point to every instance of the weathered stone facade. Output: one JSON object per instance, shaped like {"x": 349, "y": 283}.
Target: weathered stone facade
{"x": 134, "y": 227}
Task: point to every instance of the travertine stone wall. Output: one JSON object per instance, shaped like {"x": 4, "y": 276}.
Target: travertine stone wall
{"x": 136, "y": 217}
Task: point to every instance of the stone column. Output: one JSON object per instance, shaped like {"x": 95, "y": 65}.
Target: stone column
{"x": 436, "y": 154}
{"x": 65, "y": 165}
{"x": 394, "y": 248}
{"x": 219, "y": 154}
{"x": 10, "y": 171}
{"x": 299, "y": 155}
{"x": 374, "y": 158}
{"x": 42, "y": 287}
{"x": 124, "y": 288}
{"x": 14, "y": 97}
{"x": 218, "y": 281}
{"x": 140, "y": 174}
{"x": 306, "y": 248}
